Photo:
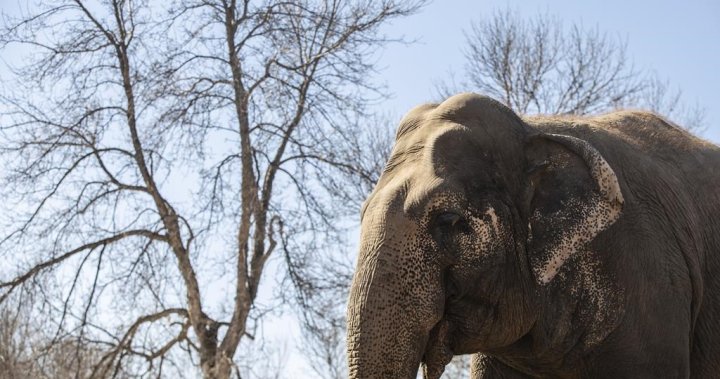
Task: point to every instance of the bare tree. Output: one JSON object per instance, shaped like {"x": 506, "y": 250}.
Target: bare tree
{"x": 538, "y": 65}
{"x": 26, "y": 351}
{"x": 156, "y": 159}
{"x": 15, "y": 345}
{"x": 660, "y": 97}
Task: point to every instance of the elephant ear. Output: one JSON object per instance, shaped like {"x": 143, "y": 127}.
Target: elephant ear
{"x": 574, "y": 195}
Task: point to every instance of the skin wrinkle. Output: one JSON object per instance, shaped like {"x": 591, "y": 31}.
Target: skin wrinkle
{"x": 549, "y": 278}
{"x": 408, "y": 155}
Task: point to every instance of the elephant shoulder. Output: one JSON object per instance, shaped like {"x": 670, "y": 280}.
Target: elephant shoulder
{"x": 626, "y": 121}
{"x": 642, "y": 130}
{"x": 650, "y": 129}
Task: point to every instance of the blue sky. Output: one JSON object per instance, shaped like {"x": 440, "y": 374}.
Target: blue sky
{"x": 679, "y": 40}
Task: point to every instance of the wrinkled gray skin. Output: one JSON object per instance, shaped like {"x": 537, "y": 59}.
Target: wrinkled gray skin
{"x": 554, "y": 247}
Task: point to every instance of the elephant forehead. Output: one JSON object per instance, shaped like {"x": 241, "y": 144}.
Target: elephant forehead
{"x": 409, "y": 192}
{"x": 411, "y": 171}
{"x": 415, "y": 148}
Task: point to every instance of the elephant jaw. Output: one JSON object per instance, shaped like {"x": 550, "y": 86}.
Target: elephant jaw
{"x": 437, "y": 351}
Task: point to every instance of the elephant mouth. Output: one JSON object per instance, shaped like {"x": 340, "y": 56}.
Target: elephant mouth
{"x": 437, "y": 351}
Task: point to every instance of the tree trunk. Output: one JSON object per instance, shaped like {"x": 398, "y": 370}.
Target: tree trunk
{"x": 220, "y": 367}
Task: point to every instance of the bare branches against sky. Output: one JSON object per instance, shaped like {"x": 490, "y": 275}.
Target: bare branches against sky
{"x": 156, "y": 156}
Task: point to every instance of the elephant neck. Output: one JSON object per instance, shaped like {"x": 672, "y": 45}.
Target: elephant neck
{"x": 559, "y": 361}
{"x": 576, "y": 313}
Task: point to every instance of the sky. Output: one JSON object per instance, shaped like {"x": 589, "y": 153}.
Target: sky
{"x": 679, "y": 40}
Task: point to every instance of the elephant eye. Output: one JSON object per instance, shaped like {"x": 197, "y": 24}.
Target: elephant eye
{"x": 447, "y": 219}
{"x": 447, "y": 224}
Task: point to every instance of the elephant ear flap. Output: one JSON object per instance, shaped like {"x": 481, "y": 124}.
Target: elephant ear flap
{"x": 573, "y": 196}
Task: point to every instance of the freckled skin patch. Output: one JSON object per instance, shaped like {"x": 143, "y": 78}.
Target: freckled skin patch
{"x": 597, "y": 215}
{"x": 599, "y": 297}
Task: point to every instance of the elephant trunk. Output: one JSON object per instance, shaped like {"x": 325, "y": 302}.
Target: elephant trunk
{"x": 382, "y": 343}
{"x": 396, "y": 303}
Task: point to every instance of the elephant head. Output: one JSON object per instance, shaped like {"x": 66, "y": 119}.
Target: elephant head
{"x": 475, "y": 213}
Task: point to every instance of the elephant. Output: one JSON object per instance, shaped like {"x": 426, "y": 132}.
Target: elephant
{"x": 549, "y": 246}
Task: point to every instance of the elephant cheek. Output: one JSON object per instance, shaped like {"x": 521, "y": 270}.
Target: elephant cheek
{"x": 483, "y": 326}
